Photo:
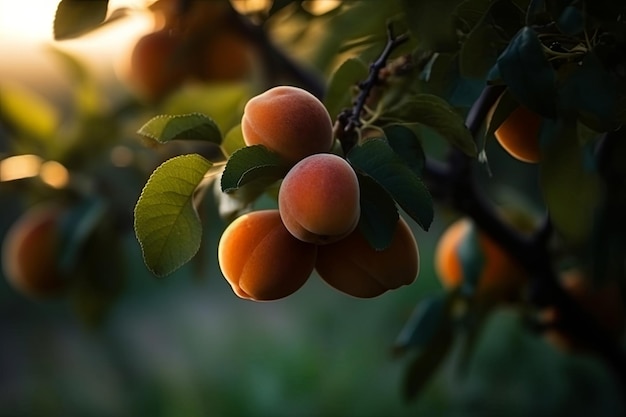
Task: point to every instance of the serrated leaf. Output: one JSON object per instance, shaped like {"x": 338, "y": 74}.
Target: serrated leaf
{"x": 76, "y": 17}
{"x": 528, "y": 74}
{"x": 378, "y": 160}
{"x": 407, "y": 145}
{"x": 440, "y": 116}
{"x": 166, "y": 222}
{"x": 342, "y": 82}
{"x": 193, "y": 126}
{"x": 379, "y": 214}
{"x": 252, "y": 163}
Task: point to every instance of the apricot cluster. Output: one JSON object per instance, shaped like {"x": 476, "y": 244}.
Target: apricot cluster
{"x": 196, "y": 45}
{"x": 269, "y": 254}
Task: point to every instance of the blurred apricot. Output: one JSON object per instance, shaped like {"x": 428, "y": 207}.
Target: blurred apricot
{"x": 353, "y": 267}
{"x": 30, "y": 252}
{"x": 464, "y": 254}
{"x": 225, "y": 56}
{"x": 261, "y": 260}
{"x": 289, "y": 121}
{"x": 519, "y": 135}
{"x": 159, "y": 63}
{"x": 319, "y": 199}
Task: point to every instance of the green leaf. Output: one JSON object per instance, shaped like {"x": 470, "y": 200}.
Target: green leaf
{"x": 233, "y": 141}
{"x": 342, "y": 83}
{"x": 252, "y": 163}
{"x": 166, "y": 221}
{"x": 431, "y": 22}
{"x": 569, "y": 189}
{"x": 76, "y": 17}
{"x": 28, "y": 114}
{"x": 378, "y": 160}
{"x": 428, "y": 317}
{"x": 193, "y": 126}
{"x": 571, "y": 21}
{"x": 437, "y": 114}
{"x": 379, "y": 214}
{"x": 528, "y": 74}
{"x": 407, "y": 145}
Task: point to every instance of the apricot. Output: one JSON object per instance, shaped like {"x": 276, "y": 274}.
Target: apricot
{"x": 519, "y": 135}
{"x": 353, "y": 267}
{"x": 464, "y": 253}
{"x": 30, "y": 257}
{"x": 226, "y": 56}
{"x": 289, "y": 121}
{"x": 158, "y": 64}
{"x": 318, "y": 199}
{"x": 261, "y": 260}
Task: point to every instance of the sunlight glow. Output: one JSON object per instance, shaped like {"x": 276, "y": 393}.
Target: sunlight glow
{"x": 19, "y": 167}
{"x": 54, "y": 174}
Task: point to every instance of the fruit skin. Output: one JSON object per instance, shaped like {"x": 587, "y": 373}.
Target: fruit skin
{"x": 519, "y": 135}
{"x": 261, "y": 260}
{"x": 353, "y": 267}
{"x": 158, "y": 64}
{"x": 463, "y": 251}
{"x": 30, "y": 257}
{"x": 319, "y": 199}
{"x": 289, "y": 121}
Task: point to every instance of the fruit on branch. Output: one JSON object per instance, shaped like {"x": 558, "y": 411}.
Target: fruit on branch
{"x": 225, "y": 56}
{"x": 289, "y": 121}
{"x": 319, "y": 199}
{"x": 464, "y": 254}
{"x": 159, "y": 64}
{"x": 261, "y": 260}
{"x": 519, "y": 135}
{"x": 30, "y": 253}
{"x": 352, "y": 266}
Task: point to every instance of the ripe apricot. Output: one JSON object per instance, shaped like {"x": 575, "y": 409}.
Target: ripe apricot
{"x": 519, "y": 135}
{"x": 261, "y": 260}
{"x": 463, "y": 253}
{"x": 158, "y": 64}
{"x": 318, "y": 199}
{"x": 289, "y": 121}
{"x": 30, "y": 257}
{"x": 352, "y": 266}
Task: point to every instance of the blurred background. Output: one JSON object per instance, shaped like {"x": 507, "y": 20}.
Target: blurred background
{"x": 125, "y": 343}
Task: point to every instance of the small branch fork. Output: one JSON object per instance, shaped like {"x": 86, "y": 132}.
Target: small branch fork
{"x": 349, "y": 120}
{"x": 452, "y": 182}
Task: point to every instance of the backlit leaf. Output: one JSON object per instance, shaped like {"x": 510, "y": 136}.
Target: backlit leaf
{"x": 342, "y": 83}
{"x": 193, "y": 126}
{"x": 76, "y": 17}
{"x": 166, "y": 221}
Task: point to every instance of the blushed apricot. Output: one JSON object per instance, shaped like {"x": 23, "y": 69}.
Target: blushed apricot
{"x": 318, "y": 199}
{"x": 261, "y": 260}
{"x": 463, "y": 253}
{"x": 352, "y": 266}
{"x": 30, "y": 253}
{"x": 519, "y": 135}
{"x": 289, "y": 121}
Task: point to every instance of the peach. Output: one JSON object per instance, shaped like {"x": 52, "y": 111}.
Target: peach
{"x": 30, "y": 253}
{"x": 261, "y": 260}
{"x": 289, "y": 121}
{"x": 318, "y": 199}
{"x": 352, "y": 266}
